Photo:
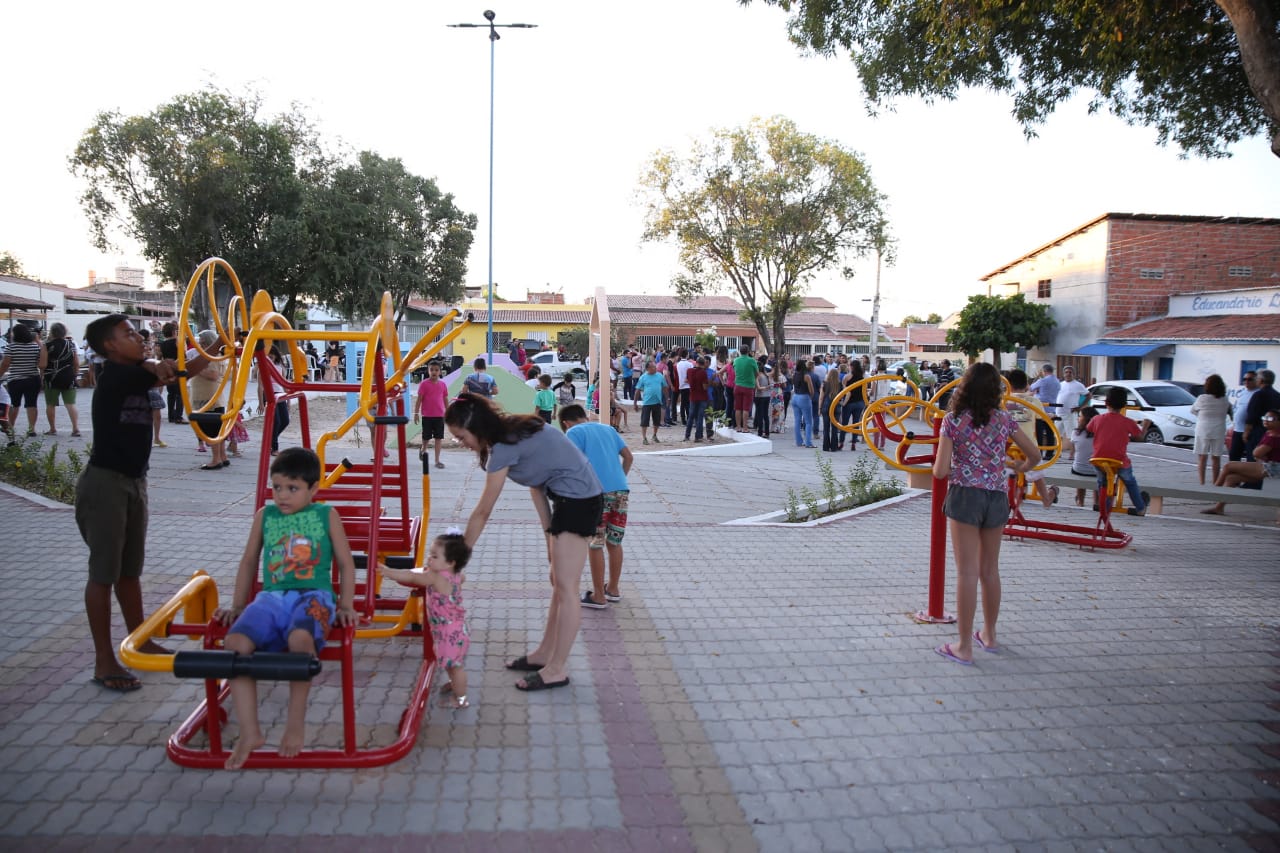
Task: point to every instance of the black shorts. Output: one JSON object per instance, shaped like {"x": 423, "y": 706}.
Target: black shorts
{"x": 25, "y": 392}
{"x": 432, "y": 428}
{"x": 651, "y": 413}
{"x": 575, "y": 515}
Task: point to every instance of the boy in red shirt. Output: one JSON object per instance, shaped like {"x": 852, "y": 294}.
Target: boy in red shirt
{"x": 1111, "y": 434}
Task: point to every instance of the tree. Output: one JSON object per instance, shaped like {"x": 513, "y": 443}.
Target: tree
{"x": 204, "y": 175}
{"x": 576, "y": 340}
{"x": 10, "y": 265}
{"x": 914, "y": 319}
{"x": 762, "y": 208}
{"x": 1000, "y": 324}
{"x": 375, "y": 228}
{"x": 1204, "y": 74}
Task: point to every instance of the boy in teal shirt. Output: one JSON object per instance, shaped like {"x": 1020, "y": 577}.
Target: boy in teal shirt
{"x": 544, "y": 399}
{"x": 298, "y": 541}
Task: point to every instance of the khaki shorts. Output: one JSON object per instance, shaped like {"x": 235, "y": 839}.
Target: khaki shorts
{"x": 111, "y": 512}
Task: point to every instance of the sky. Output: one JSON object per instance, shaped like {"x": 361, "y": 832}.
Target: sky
{"x": 581, "y": 104}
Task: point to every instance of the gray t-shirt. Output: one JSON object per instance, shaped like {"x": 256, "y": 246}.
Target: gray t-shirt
{"x": 548, "y": 459}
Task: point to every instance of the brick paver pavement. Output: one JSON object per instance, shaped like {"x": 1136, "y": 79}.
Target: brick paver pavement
{"x": 757, "y": 688}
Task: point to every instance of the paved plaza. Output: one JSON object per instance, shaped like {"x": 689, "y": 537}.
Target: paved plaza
{"x": 757, "y": 688}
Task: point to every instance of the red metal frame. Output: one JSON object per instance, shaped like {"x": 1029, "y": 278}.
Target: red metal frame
{"x": 360, "y": 486}
{"x": 1102, "y": 535}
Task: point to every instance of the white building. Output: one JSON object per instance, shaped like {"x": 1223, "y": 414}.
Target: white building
{"x": 1153, "y": 296}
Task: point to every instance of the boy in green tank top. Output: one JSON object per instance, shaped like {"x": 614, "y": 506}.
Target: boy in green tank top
{"x": 298, "y": 541}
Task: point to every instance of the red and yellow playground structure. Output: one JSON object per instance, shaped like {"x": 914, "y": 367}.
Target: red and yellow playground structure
{"x": 887, "y": 417}
{"x": 372, "y": 499}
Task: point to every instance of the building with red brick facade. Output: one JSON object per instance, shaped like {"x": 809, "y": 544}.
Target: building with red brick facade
{"x": 1113, "y": 284}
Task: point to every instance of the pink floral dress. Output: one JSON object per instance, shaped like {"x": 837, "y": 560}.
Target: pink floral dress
{"x": 448, "y": 622}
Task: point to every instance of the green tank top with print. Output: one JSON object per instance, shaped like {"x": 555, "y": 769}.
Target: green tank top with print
{"x": 296, "y": 551}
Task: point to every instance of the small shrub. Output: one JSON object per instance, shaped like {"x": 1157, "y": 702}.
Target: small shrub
{"x": 46, "y": 472}
{"x": 859, "y": 488}
{"x": 793, "y": 506}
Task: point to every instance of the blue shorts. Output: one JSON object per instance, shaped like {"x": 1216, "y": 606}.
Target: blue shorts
{"x": 273, "y": 614}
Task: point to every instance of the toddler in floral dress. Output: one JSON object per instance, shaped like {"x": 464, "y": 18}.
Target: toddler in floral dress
{"x": 442, "y": 579}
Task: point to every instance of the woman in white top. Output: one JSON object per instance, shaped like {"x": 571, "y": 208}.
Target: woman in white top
{"x": 1210, "y": 409}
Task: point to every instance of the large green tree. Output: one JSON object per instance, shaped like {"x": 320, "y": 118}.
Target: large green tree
{"x": 1204, "y": 74}
{"x": 374, "y": 227}
{"x": 762, "y": 209}
{"x": 202, "y": 175}
{"x": 1000, "y": 324}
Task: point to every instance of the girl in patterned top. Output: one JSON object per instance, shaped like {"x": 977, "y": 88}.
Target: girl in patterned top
{"x": 971, "y": 454}
{"x": 442, "y": 581}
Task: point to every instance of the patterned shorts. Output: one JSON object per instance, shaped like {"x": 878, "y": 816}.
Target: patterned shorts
{"x": 613, "y": 522}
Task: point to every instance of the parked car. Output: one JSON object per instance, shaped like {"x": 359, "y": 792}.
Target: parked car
{"x": 1167, "y": 405}
{"x": 1195, "y": 389}
{"x": 553, "y": 365}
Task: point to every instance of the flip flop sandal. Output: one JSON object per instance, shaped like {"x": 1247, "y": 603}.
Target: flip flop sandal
{"x": 977, "y": 638}
{"x": 945, "y": 651}
{"x": 119, "y": 683}
{"x": 521, "y": 664}
{"x": 534, "y": 683}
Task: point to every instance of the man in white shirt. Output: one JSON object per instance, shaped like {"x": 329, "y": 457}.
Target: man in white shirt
{"x": 1069, "y": 393}
{"x": 682, "y": 375}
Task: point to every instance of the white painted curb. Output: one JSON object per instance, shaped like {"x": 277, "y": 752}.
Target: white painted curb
{"x": 734, "y": 444}
{"x": 775, "y": 519}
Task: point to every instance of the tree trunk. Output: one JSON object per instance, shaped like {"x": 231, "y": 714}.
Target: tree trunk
{"x": 765, "y": 337}
{"x": 1255, "y": 25}
{"x": 779, "y": 345}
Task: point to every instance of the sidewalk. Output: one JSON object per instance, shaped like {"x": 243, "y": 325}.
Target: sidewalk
{"x": 758, "y": 688}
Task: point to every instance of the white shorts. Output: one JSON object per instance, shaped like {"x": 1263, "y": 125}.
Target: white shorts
{"x": 1211, "y": 446}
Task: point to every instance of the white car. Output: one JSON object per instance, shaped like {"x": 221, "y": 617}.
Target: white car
{"x": 1168, "y": 406}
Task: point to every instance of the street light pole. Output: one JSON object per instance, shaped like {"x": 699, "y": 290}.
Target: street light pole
{"x": 493, "y": 41}
{"x": 875, "y": 315}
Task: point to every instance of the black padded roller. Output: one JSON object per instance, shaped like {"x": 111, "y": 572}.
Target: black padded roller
{"x": 264, "y": 666}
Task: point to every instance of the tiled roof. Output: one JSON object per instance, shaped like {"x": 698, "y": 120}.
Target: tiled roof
{"x": 1255, "y": 327}
{"x": 645, "y": 302}
{"x": 698, "y": 319}
{"x": 928, "y": 335}
{"x": 816, "y": 302}
{"x": 22, "y": 303}
{"x": 557, "y": 315}
{"x": 846, "y": 323}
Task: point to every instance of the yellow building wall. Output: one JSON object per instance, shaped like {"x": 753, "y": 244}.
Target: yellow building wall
{"x": 472, "y": 342}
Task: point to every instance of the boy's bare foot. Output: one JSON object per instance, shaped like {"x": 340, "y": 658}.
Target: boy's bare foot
{"x": 244, "y": 747}
{"x": 151, "y": 647}
{"x": 292, "y": 742}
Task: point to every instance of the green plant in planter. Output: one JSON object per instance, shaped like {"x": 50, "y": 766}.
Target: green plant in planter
{"x": 29, "y": 466}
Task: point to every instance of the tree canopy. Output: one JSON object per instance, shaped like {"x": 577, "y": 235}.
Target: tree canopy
{"x": 374, "y": 227}
{"x": 762, "y": 209}
{"x": 10, "y": 265}
{"x": 1204, "y": 74}
{"x": 1000, "y": 324}
{"x": 203, "y": 175}
{"x": 207, "y": 174}
{"x": 933, "y": 319}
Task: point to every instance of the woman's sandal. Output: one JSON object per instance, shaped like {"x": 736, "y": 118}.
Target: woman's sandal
{"x": 521, "y": 664}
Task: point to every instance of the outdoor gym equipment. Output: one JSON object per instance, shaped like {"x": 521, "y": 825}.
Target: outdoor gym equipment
{"x": 264, "y": 666}
{"x": 371, "y": 498}
{"x": 914, "y": 453}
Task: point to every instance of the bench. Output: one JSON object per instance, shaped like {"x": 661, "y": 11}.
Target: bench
{"x": 1160, "y": 488}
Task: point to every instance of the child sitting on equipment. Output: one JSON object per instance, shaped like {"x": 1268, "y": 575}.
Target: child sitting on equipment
{"x": 1111, "y": 434}
{"x": 1026, "y": 420}
{"x": 299, "y": 541}
{"x": 1079, "y": 448}
{"x": 443, "y": 583}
